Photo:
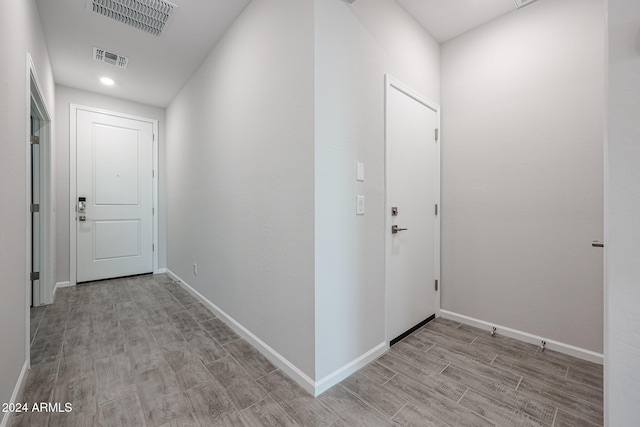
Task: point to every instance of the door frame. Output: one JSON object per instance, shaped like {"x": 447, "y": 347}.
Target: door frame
{"x": 73, "y": 194}
{"x": 35, "y": 99}
{"x": 389, "y": 84}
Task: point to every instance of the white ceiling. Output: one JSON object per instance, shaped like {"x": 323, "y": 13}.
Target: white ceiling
{"x": 446, "y": 19}
{"x": 160, "y": 66}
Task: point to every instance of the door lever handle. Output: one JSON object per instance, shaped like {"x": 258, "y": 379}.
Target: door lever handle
{"x": 597, "y": 244}
{"x": 395, "y": 229}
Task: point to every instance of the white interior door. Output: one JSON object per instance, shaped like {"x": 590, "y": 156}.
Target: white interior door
{"x": 413, "y": 190}
{"x": 114, "y": 169}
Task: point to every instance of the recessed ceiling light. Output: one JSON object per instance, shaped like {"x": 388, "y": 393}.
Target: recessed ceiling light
{"x": 107, "y": 81}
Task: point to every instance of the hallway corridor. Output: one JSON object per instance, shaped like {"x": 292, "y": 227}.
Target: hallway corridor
{"x": 142, "y": 351}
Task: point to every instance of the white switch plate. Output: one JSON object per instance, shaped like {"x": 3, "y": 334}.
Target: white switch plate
{"x": 360, "y": 171}
{"x": 359, "y": 205}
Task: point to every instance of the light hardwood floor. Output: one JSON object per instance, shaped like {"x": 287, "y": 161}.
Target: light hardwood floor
{"x": 141, "y": 351}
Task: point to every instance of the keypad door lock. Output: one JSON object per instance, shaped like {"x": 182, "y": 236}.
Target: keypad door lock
{"x": 82, "y": 209}
{"x": 82, "y": 204}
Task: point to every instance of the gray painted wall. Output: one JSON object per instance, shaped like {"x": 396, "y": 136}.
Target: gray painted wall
{"x": 64, "y": 97}
{"x": 522, "y": 168}
{"x": 240, "y": 188}
{"x": 622, "y": 264}
{"x": 257, "y": 226}
{"x": 20, "y": 32}
{"x": 355, "y": 46}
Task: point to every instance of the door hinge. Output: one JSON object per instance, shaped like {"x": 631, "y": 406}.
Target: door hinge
{"x": 436, "y": 284}
{"x": 154, "y": 137}
{"x": 153, "y": 173}
{"x": 34, "y": 139}
{"x": 437, "y": 134}
{"x": 436, "y": 209}
{"x": 153, "y": 247}
{"x": 34, "y": 276}
{"x": 35, "y": 207}
{"x": 153, "y": 211}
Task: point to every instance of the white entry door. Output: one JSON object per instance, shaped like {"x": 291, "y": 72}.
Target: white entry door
{"x": 412, "y": 252}
{"x": 114, "y": 187}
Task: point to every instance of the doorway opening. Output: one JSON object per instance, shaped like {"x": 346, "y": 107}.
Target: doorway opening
{"x": 113, "y": 195}
{"x": 40, "y": 216}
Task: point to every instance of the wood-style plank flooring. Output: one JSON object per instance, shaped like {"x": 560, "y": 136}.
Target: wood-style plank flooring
{"x": 142, "y": 352}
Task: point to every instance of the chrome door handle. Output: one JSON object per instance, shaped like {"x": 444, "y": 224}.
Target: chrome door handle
{"x": 597, "y": 244}
{"x": 395, "y": 229}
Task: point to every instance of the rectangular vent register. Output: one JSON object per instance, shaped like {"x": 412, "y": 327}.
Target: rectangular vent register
{"x": 151, "y": 16}
{"x": 110, "y": 58}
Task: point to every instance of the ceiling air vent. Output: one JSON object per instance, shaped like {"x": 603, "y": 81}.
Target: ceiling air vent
{"x": 151, "y": 16}
{"x": 110, "y": 58}
{"x": 521, "y": 3}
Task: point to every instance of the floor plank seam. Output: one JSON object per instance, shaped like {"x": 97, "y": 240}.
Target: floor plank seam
{"x": 328, "y": 408}
{"x": 463, "y": 395}
{"x": 445, "y": 368}
{"x": 555, "y": 416}
{"x": 564, "y": 392}
{"x": 481, "y": 416}
{"x": 519, "y": 381}
{"x": 515, "y": 410}
{"x": 548, "y": 384}
{"x": 399, "y": 410}
{"x": 395, "y": 374}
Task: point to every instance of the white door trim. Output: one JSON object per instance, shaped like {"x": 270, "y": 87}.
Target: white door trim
{"x": 47, "y": 187}
{"x": 391, "y": 82}
{"x": 73, "y": 195}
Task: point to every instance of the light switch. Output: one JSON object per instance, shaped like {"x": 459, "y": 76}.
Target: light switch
{"x": 360, "y": 171}
{"x": 360, "y": 205}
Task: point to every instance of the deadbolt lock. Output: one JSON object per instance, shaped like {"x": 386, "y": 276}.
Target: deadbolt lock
{"x": 394, "y": 211}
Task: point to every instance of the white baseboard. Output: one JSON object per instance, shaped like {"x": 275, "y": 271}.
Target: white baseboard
{"x": 273, "y": 356}
{"x": 569, "y": 349}
{"x": 60, "y": 285}
{"x": 312, "y": 387}
{"x": 17, "y": 392}
{"x": 160, "y": 271}
{"x": 340, "y": 374}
